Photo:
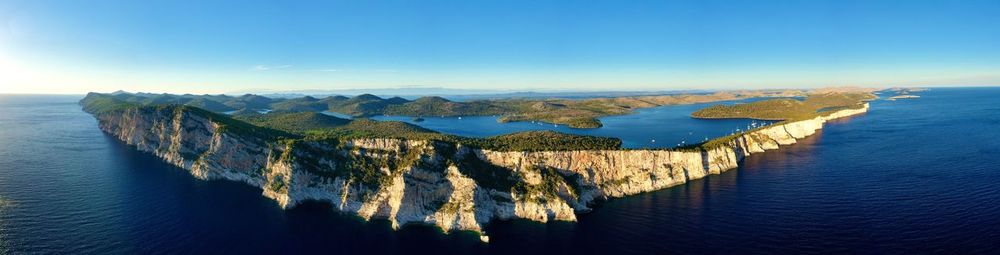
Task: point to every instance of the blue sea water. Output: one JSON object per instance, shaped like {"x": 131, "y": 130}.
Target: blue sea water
{"x": 657, "y": 127}
{"x": 911, "y": 176}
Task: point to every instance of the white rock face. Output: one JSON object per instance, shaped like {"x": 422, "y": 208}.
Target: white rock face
{"x": 451, "y": 186}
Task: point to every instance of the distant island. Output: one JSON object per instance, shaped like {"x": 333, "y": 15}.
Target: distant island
{"x": 893, "y": 98}
{"x": 787, "y": 108}
{"x": 407, "y": 174}
{"x": 575, "y": 113}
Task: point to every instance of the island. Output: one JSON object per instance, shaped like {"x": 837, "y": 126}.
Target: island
{"x": 893, "y": 98}
{"x": 903, "y": 93}
{"x": 575, "y": 113}
{"x": 410, "y": 175}
{"x": 787, "y": 108}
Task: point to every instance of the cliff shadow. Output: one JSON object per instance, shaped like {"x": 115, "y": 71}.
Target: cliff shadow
{"x": 803, "y": 148}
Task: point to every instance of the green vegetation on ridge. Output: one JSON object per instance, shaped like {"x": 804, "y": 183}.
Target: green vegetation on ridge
{"x": 317, "y": 126}
{"x": 97, "y": 104}
{"x": 576, "y": 113}
{"x": 295, "y": 118}
{"x": 521, "y": 141}
{"x": 315, "y": 141}
{"x": 294, "y": 122}
{"x": 786, "y": 108}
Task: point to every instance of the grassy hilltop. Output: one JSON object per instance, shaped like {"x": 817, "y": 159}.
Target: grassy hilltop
{"x": 786, "y": 108}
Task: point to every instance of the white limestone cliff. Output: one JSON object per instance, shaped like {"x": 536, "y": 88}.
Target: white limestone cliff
{"x": 451, "y": 186}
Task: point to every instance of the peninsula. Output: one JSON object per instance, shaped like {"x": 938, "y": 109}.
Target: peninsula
{"x": 407, "y": 174}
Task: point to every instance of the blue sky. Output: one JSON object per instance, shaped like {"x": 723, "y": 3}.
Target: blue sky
{"x": 222, "y": 46}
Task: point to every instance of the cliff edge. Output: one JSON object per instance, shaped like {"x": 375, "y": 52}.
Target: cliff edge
{"x": 450, "y": 185}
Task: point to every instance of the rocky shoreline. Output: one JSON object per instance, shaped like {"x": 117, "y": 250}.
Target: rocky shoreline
{"x": 452, "y": 186}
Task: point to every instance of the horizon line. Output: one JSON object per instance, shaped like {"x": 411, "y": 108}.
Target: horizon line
{"x": 499, "y": 92}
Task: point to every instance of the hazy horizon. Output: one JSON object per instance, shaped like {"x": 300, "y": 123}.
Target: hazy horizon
{"x": 437, "y": 91}
{"x": 74, "y": 47}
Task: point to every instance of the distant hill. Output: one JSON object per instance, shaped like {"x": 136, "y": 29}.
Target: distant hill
{"x": 277, "y": 125}
{"x": 208, "y": 104}
{"x": 787, "y": 108}
{"x": 439, "y": 106}
{"x": 295, "y": 122}
{"x": 411, "y": 91}
{"x": 248, "y": 101}
{"x": 302, "y": 104}
{"x": 363, "y": 105}
{"x": 577, "y": 113}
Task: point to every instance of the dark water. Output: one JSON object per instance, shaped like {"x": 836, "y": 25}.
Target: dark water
{"x": 913, "y": 175}
{"x": 658, "y": 127}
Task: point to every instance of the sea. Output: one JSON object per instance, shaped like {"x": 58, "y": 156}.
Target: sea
{"x": 910, "y": 176}
{"x": 655, "y": 127}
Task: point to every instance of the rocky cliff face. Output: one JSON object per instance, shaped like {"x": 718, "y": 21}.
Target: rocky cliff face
{"x": 448, "y": 185}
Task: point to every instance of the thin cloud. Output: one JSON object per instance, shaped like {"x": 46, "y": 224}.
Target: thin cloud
{"x": 265, "y": 68}
{"x": 355, "y": 70}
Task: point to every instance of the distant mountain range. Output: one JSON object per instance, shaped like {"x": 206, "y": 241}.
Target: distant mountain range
{"x": 575, "y": 109}
{"x": 461, "y": 94}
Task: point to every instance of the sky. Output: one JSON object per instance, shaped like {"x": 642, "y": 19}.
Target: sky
{"x": 184, "y": 46}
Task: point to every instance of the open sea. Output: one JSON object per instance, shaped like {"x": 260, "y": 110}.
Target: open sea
{"x": 911, "y": 176}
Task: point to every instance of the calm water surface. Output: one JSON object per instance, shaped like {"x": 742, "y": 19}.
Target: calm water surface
{"x": 914, "y": 175}
{"x": 658, "y": 127}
